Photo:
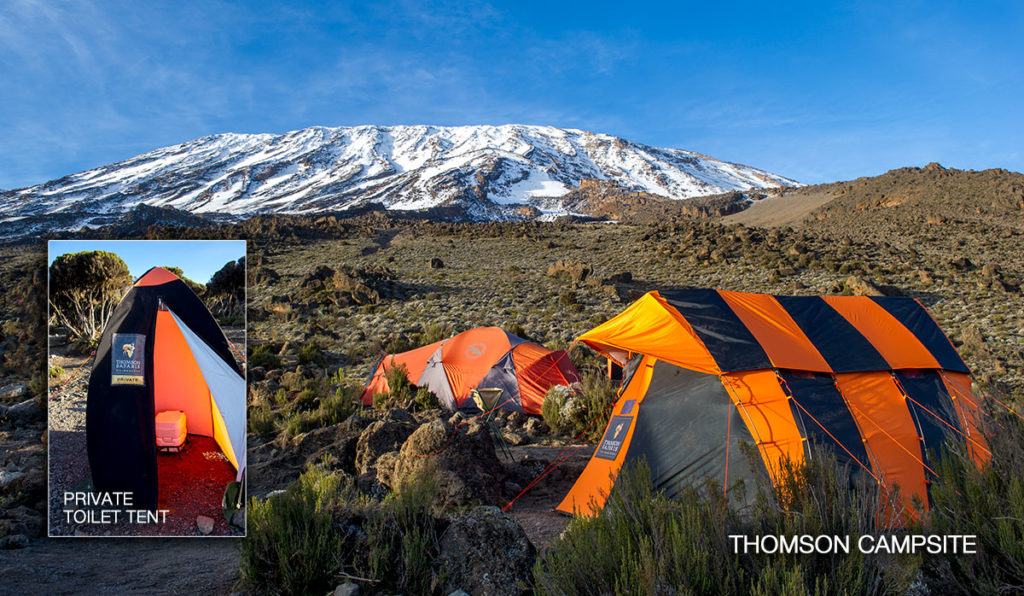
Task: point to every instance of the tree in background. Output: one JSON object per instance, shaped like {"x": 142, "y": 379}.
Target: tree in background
{"x": 198, "y": 288}
{"x": 225, "y": 293}
{"x": 85, "y": 287}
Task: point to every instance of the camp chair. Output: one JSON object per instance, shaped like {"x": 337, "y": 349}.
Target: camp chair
{"x": 487, "y": 398}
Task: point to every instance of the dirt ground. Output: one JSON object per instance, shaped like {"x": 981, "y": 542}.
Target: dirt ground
{"x": 787, "y": 210}
{"x": 535, "y": 510}
{"x": 121, "y": 566}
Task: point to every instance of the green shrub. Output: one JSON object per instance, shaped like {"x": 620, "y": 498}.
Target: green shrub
{"x": 334, "y": 408}
{"x": 85, "y": 287}
{"x": 402, "y": 537}
{"x": 56, "y": 371}
{"x": 264, "y": 357}
{"x": 292, "y": 545}
{"x": 306, "y": 540}
{"x": 382, "y": 401}
{"x": 645, "y": 543}
{"x": 426, "y": 400}
{"x": 401, "y": 391}
{"x": 262, "y": 422}
{"x": 311, "y": 354}
{"x": 986, "y": 502}
{"x": 584, "y": 408}
{"x": 552, "y": 406}
{"x": 570, "y": 301}
{"x": 435, "y": 332}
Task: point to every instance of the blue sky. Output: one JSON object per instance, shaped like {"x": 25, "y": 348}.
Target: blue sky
{"x": 198, "y": 259}
{"x": 815, "y": 91}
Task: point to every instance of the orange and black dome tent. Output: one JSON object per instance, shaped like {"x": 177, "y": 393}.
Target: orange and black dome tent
{"x": 874, "y": 379}
{"x": 161, "y": 349}
{"x": 481, "y": 357}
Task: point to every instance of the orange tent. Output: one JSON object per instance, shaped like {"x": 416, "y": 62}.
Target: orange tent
{"x": 481, "y": 357}
{"x": 873, "y": 379}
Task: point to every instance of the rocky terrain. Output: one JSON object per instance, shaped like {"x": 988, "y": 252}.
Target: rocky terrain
{"x": 329, "y": 294}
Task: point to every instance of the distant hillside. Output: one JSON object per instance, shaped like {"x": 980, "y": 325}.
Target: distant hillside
{"x": 932, "y": 194}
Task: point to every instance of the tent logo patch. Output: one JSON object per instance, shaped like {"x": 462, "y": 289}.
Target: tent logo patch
{"x": 475, "y": 350}
{"x": 614, "y": 437}
{"x": 127, "y": 351}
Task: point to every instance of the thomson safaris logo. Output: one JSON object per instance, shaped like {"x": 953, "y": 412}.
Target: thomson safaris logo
{"x": 614, "y": 437}
{"x": 618, "y": 429}
{"x": 126, "y": 366}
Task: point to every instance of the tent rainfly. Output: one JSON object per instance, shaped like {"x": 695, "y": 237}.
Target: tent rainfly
{"x": 161, "y": 350}
{"x": 874, "y": 379}
{"x": 481, "y": 357}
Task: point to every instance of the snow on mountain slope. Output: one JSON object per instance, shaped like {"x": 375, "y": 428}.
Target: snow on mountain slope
{"x": 489, "y": 172}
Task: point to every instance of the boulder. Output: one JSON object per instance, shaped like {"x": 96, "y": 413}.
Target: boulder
{"x": 368, "y": 484}
{"x": 460, "y": 459}
{"x": 280, "y": 462}
{"x": 386, "y": 468}
{"x": 205, "y": 524}
{"x": 862, "y": 287}
{"x": 575, "y": 271}
{"x": 513, "y": 437}
{"x": 20, "y": 520}
{"x": 25, "y": 412}
{"x": 10, "y": 480}
{"x": 399, "y": 415}
{"x": 379, "y": 438}
{"x": 13, "y": 391}
{"x": 436, "y": 263}
{"x": 484, "y": 551}
{"x": 535, "y": 427}
{"x": 14, "y": 541}
{"x": 347, "y": 589}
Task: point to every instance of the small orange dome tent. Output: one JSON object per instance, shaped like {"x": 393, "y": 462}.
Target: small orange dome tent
{"x": 873, "y": 379}
{"x": 482, "y": 357}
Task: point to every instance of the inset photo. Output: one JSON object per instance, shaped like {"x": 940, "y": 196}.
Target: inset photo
{"x": 147, "y": 387}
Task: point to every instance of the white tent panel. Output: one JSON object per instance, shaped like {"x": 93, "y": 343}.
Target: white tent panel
{"x": 227, "y": 388}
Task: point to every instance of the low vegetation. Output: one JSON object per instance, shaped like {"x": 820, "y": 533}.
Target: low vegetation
{"x": 645, "y": 543}
{"x": 322, "y": 531}
{"x": 580, "y": 411}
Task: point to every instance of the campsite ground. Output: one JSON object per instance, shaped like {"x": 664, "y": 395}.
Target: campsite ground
{"x": 534, "y": 511}
{"x": 121, "y": 566}
{"x": 161, "y": 566}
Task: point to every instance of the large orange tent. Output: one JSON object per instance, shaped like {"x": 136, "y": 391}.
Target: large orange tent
{"x": 482, "y": 357}
{"x": 874, "y": 379}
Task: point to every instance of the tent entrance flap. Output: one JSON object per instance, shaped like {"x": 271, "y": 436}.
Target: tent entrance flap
{"x": 227, "y": 397}
{"x": 682, "y": 429}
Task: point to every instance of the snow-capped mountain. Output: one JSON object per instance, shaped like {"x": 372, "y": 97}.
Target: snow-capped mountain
{"x": 482, "y": 172}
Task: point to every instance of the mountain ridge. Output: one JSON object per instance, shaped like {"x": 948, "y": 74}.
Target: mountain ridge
{"x": 503, "y": 172}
